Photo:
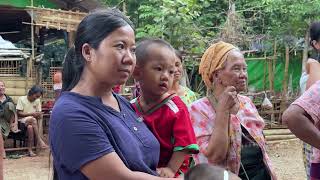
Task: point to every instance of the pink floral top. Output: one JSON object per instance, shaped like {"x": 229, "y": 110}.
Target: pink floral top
{"x": 310, "y": 102}
{"x": 203, "y": 120}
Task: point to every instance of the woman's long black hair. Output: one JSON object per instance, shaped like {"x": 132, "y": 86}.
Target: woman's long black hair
{"x": 95, "y": 27}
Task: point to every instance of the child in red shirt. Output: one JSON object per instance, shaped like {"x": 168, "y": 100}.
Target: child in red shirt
{"x": 165, "y": 114}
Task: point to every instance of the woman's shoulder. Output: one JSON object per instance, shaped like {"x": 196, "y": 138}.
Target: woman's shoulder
{"x": 244, "y": 98}
{"x": 70, "y": 104}
{"x": 202, "y": 103}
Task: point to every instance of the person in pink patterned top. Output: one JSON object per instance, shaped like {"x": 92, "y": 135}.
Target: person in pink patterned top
{"x": 227, "y": 125}
{"x": 303, "y": 119}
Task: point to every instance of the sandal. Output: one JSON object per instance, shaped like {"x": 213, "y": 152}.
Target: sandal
{"x": 31, "y": 154}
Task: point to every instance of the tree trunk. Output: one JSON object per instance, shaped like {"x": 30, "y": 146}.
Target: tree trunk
{"x": 305, "y": 51}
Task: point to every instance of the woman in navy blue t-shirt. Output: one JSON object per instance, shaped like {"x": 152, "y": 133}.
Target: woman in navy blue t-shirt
{"x": 94, "y": 133}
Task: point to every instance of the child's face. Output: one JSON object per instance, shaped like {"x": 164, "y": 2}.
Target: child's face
{"x": 156, "y": 76}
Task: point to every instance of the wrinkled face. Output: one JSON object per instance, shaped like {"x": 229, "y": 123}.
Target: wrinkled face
{"x": 2, "y": 88}
{"x": 179, "y": 69}
{"x": 156, "y": 75}
{"x": 34, "y": 97}
{"x": 234, "y": 72}
{"x": 114, "y": 60}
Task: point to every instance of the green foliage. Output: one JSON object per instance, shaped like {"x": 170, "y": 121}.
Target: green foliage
{"x": 191, "y": 25}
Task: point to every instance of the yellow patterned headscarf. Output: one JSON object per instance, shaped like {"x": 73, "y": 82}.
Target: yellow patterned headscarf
{"x": 213, "y": 59}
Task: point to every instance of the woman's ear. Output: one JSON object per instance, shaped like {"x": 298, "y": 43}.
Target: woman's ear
{"x": 87, "y": 52}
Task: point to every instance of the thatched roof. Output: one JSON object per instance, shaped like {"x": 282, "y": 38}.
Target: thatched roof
{"x": 82, "y": 5}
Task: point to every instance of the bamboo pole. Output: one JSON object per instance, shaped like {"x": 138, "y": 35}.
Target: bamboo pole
{"x": 18, "y": 149}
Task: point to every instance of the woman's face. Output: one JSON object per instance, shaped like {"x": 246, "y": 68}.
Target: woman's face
{"x": 178, "y": 69}
{"x": 316, "y": 45}
{"x": 114, "y": 60}
{"x": 234, "y": 72}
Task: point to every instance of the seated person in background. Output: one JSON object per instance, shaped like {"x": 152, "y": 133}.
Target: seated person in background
{"x": 29, "y": 113}
{"x": 209, "y": 172}
{"x": 57, "y": 84}
{"x": 7, "y": 113}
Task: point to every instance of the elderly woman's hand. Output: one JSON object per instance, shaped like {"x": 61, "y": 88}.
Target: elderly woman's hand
{"x": 228, "y": 101}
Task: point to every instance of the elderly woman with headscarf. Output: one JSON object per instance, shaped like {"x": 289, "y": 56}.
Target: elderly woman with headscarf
{"x": 227, "y": 125}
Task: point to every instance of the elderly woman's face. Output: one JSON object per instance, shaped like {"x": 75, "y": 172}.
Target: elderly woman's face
{"x": 234, "y": 72}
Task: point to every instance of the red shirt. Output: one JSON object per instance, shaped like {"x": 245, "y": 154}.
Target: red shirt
{"x": 170, "y": 123}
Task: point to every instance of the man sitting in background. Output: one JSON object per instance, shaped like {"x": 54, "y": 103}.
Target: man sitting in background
{"x": 29, "y": 113}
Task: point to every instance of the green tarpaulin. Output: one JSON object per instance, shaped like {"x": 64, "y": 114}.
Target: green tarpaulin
{"x": 24, "y": 3}
{"x": 259, "y": 76}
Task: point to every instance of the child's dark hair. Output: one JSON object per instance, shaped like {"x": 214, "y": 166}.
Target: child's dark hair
{"x": 34, "y": 90}
{"x": 314, "y": 32}
{"x": 205, "y": 172}
{"x": 95, "y": 27}
{"x": 143, "y": 48}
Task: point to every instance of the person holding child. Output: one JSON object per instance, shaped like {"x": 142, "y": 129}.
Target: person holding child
{"x": 165, "y": 114}
{"x": 94, "y": 132}
{"x": 227, "y": 125}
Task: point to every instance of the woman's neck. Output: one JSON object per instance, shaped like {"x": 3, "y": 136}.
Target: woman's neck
{"x": 176, "y": 88}
{"x": 217, "y": 91}
{"x": 91, "y": 87}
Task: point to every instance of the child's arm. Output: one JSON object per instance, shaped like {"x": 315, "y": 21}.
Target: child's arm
{"x": 174, "y": 164}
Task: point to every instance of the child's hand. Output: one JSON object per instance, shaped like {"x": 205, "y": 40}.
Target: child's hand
{"x": 165, "y": 172}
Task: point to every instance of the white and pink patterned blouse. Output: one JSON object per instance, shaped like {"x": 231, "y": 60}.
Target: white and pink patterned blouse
{"x": 203, "y": 120}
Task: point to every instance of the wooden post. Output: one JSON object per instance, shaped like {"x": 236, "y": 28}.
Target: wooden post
{"x": 285, "y": 77}
{"x": 285, "y": 83}
{"x": 274, "y": 60}
{"x": 29, "y": 64}
{"x": 264, "y": 72}
{"x": 305, "y": 50}
{"x": 71, "y": 38}
{"x": 32, "y": 40}
{"x": 270, "y": 71}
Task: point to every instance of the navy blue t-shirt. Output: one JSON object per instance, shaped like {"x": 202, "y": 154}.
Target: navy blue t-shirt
{"x": 83, "y": 129}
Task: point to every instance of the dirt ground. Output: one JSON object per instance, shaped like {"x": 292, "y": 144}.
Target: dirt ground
{"x": 286, "y": 158}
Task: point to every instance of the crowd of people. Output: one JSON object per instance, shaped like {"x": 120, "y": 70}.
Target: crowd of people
{"x": 167, "y": 131}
